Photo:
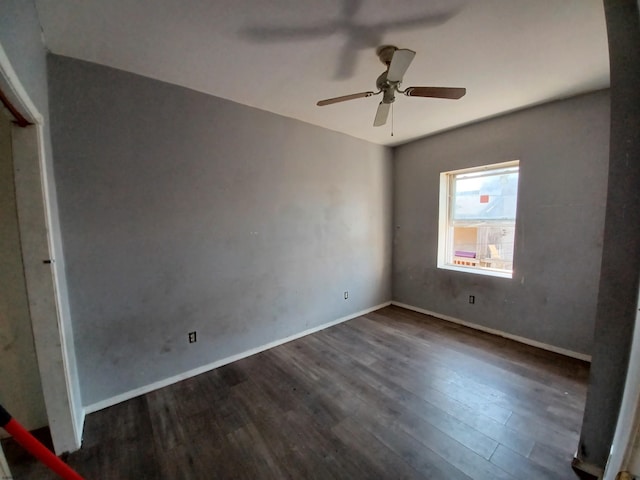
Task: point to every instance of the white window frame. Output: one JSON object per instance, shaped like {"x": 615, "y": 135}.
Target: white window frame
{"x": 444, "y": 215}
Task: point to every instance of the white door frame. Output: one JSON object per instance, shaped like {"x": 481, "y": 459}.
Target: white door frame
{"x": 629, "y": 416}
{"x": 60, "y": 387}
{"x": 5, "y": 472}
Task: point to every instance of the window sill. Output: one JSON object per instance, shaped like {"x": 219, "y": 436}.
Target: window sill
{"x": 477, "y": 271}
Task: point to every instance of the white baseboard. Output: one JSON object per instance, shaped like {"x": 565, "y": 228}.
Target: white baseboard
{"x": 108, "y": 402}
{"x": 500, "y": 333}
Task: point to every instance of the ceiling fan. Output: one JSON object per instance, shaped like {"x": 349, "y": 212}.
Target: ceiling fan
{"x": 397, "y": 62}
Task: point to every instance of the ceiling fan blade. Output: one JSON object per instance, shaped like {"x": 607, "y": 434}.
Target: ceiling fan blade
{"x": 381, "y": 114}
{"x": 399, "y": 63}
{"x": 436, "y": 92}
{"x": 344, "y": 98}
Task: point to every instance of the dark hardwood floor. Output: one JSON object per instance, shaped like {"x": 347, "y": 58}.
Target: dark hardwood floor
{"x": 390, "y": 395}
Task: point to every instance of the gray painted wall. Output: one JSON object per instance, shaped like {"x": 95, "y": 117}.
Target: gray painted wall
{"x": 618, "y": 295}
{"x": 20, "y": 391}
{"x": 182, "y": 211}
{"x": 563, "y": 153}
{"x": 21, "y": 39}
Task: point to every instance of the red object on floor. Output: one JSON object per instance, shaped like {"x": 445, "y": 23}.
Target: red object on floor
{"x": 38, "y": 450}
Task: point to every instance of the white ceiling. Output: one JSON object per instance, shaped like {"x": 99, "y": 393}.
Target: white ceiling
{"x": 284, "y": 55}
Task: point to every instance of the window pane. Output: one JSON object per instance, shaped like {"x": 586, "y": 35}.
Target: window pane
{"x": 488, "y": 246}
{"x": 477, "y": 224}
{"x": 485, "y": 195}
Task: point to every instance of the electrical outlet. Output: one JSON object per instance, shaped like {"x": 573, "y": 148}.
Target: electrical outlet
{"x": 346, "y": 295}
{"x": 472, "y": 299}
{"x": 192, "y": 337}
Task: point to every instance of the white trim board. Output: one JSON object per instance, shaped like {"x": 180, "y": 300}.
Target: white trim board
{"x": 108, "y": 402}
{"x": 15, "y": 92}
{"x": 34, "y": 211}
{"x": 500, "y": 333}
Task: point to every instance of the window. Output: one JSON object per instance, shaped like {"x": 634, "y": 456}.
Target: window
{"x": 478, "y": 219}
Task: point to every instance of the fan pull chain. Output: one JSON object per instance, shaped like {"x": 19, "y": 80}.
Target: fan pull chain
{"x": 392, "y": 119}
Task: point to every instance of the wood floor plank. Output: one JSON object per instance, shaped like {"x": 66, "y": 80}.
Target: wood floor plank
{"x": 375, "y": 452}
{"x": 536, "y": 425}
{"x": 528, "y": 362}
{"x": 437, "y": 380}
{"x": 294, "y": 447}
{"x": 486, "y": 425}
{"x": 531, "y": 362}
{"x": 179, "y": 463}
{"x": 298, "y": 438}
{"x": 416, "y": 409}
{"x": 252, "y": 453}
{"x": 489, "y": 427}
{"x": 453, "y": 366}
{"x": 337, "y": 456}
{"x": 423, "y": 460}
{"x": 268, "y": 419}
{"x": 554, "y": 459}
{"x": 504, "y": 392}
{"x": 390, "y": 395}
{"x": 167, "y": 427}
{"x": 455, "y": 441}
{"x": 544, "y": 432}
{"x": 521, "y": 467}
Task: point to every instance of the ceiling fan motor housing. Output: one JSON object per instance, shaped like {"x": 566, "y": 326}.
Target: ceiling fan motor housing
{"x": 388, "y": 88}
{"x": 385, "y": 53}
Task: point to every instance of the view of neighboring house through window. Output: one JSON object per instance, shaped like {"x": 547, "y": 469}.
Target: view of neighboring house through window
{"x": 478, "y": 219}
